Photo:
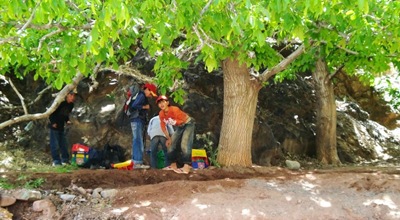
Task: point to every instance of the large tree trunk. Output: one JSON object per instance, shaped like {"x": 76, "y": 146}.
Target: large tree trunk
{"x": 326, "y": 116}
{"x": 240, "y": 101}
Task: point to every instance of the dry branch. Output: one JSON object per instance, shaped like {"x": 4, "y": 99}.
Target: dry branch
{"x": 60, "y": 98}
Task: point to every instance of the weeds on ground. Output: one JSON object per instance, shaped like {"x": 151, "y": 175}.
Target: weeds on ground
{"x": 22, "y": 181}
{"x": 4, "y": 184}
{"x": 34, "y": 184}
{"x": 30, "y": 184}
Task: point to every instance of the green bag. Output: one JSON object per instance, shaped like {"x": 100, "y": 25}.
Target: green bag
{"x": 160, "y": 159}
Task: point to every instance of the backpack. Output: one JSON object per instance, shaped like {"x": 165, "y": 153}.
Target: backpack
{"x": 112, "y": 154}
{"x": 132, "y": 94}
{"x": 95, "y": 159}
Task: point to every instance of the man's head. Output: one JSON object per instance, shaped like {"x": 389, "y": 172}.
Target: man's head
{"x": 71, "y": 96}
{"x": 162, "y": 102}
{"x": 150, "y": 90}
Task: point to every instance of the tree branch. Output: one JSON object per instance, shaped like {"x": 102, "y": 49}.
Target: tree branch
{"x": 60, "y": 98}
{"x": 75, "y": 7}
{"x": 30, "y": 18}
{"x": 6, "y": 40}
{"x": 282, "y": 65}
{"x": 95, "y": 84}
{"x": 40, "y": 94}
{"x": 336, "y": 72}
{"x": 47, "y": 36}
{"x": 21, "y": 98}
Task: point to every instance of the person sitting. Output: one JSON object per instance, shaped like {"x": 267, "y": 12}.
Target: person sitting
{"x": 157, "y": 138}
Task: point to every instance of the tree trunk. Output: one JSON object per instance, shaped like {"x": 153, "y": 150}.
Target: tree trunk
{"x": 326, "y": 116}
{"x": 240, "y": 101}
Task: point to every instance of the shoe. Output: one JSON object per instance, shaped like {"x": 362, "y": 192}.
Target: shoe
{"x": 141, "y": 166}
{"x": 65, "y": 163}
{"x": 56, "y": 164}
{"x": 94, "y": 167}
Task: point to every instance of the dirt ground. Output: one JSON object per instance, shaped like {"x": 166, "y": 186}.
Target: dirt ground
{"x": 230, "y": 193}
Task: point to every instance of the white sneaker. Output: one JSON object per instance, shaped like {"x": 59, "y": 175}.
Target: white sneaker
{"x": 141, "y": 166}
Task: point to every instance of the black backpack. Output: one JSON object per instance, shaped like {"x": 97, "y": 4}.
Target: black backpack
{"x": 112, "y": 154}
{"x": 95, "y": 159}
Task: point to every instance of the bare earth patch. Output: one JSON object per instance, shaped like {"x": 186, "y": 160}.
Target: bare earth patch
{"x": 231, "y": 193}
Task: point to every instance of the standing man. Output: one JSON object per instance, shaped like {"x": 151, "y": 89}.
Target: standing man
{"x": 184, "y": 125}
{"x": 157, "y": 137}
{"x": 58, "y": 119}
{"x": 141, "y": 104}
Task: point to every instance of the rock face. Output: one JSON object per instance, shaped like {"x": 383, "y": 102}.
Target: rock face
{"x": 284, "y": 122}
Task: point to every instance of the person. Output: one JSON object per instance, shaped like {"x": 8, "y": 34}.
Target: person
{"x": 138, "y": 121}
{"x": 157, "y": 138}
{"x": 58, "y": 119}
{"x": 185, "y": 126}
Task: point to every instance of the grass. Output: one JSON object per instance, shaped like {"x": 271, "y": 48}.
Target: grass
{"x": 22, "y": 181}
{"x": 4, "y": 184}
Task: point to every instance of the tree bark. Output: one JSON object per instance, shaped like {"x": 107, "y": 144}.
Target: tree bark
{"x": 326, "y": 116}
{"x": 240, "y": 101}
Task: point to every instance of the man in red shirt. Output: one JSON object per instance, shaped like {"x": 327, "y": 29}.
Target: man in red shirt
{"x": 185, "y": 125}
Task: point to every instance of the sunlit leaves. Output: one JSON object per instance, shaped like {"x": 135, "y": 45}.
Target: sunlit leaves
{"x": 95, "y": 31}
{"x": 363, "y": 5}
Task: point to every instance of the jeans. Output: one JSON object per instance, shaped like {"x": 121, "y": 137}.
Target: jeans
{"x": 58, "y": 143}
{"x": 137, "y": 142}
{"x": 154, "y": 143}
{"x": 185, "y": 133}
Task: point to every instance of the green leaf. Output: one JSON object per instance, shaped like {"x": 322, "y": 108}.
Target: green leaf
{"x": 211, "y": 64}
{"x": 363, "y": 5}
{"x": 73, "y": 62}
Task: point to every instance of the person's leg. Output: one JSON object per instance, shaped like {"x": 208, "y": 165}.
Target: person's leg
{"x": 63, "y": 148}
{"x": 54, "y": 145}
{"x": 137, "y": 143}
{"x": 164, "y": 148}
{"x": 186, "y": 146}
{"x": 154, "y": 149}
{"x": 187, "y": 143}
{"x": 172, "y": 152}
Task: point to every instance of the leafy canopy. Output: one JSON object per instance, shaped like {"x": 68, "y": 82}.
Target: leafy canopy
{"x": 54, "y": 39}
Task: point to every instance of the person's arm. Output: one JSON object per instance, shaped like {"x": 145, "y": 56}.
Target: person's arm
{"x": 139, "y": 101}
{"x": 70, "y": 107}
{"x": 164, "y": 129}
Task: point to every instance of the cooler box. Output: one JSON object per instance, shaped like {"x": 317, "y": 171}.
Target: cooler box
{"x": 199, "y": 159}
{"x": 80, "y": 154}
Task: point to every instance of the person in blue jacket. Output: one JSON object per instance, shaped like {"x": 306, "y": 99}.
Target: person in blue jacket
{"x": 141, "y": 105}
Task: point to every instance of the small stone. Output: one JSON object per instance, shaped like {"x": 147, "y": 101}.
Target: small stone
{"x": 5, "y": 214}
{"x": 6, "y": 200}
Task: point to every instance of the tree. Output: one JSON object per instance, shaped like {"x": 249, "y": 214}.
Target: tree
{"x": 243, "y": 36}
{"x": 56, "y": 39}
{"x": 351, "y": 41}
